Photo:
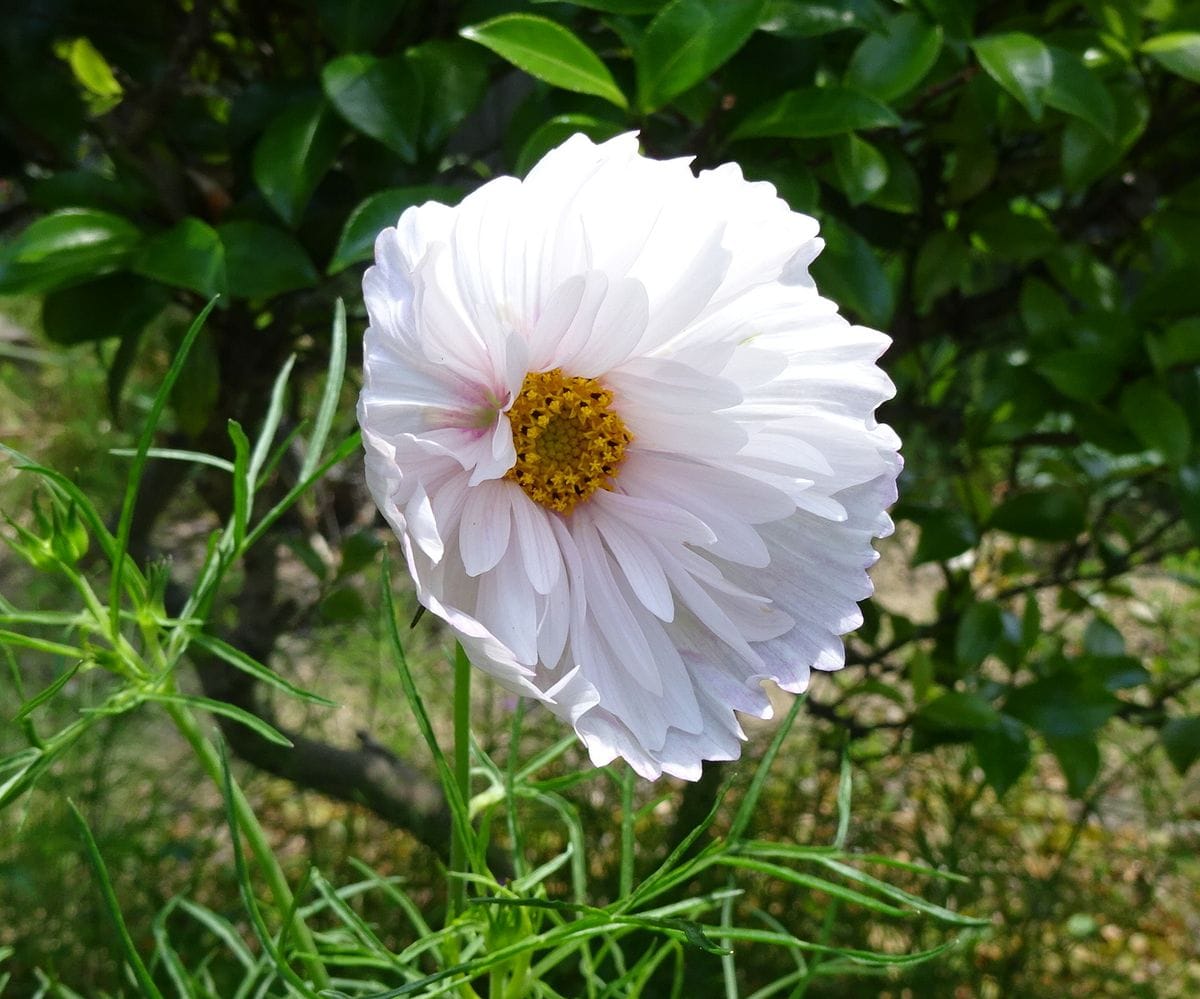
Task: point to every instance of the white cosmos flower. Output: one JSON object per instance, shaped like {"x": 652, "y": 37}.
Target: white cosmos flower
{"x": 629, "y": 451}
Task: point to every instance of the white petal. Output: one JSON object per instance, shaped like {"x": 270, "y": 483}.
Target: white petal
{"x": 539, "y": 549}
{"x": 484, "y": 530}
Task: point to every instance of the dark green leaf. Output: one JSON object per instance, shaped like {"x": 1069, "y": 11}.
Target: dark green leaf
{"x": 1064, "y": 705}
{"x": 63, "y": 247}
{"x": 1076, "y": 90}
{"x": 849, "y": 273}
{"x": 376, "y": 213}
{"x": 1087, "y": 154}
{"x": 454, "y": 76}
{"x": 1181, "y": 739}
{"x": 1079, "y": 757}
{"x": 1179, "y": 51}
{"x": 902, "y": 190}
{"x": 1157, "y": 420}
{"x": 1043, "y": 308}
{"x": 380, "y": 97}
{"x": 1003, "y": 752}
{"x": 1020, "y": 63}
{"x": 118, "y": 305}
{"x": 188, "y": 255}
{"x": 548, "y": 51}
{"x": 816, "y": 112}
{"x": 890, "y": 64}
{"x": 944, "y": 534}
{"x": 356, "y": 25}
{"x": 262, "y": 261}
{"x": 1100, "y": 638}
{"x": 973, "y": 168}
{"x": 979, "y": 632}
{"x": 1177, "y": 345}
{"x": 1079, "y": 373}
{"x": 1014, "y": 236}
{"x": 1055, "y": 513}
{"x": 687, "y": 41}
{"x": 941, "y": 267}
{"x": 862, "y": 169}
{"x": 557, "y": 130}
{"x": 956, "y": 16}
{"x": 293, "y": 155}
{"x": 955, "y": 711}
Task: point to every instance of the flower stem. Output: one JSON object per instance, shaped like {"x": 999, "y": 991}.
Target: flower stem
{"x": 462, "y": 775}
{"x": 255, "y": 835}
{"x": 626, "y": 883}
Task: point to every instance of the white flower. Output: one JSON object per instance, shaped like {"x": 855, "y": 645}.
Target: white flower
{"x": 629, "y": 452}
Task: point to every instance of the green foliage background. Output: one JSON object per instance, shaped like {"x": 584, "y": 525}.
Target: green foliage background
{"x": 1009, "y": 189}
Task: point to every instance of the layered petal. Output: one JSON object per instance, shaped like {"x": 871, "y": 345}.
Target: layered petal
{"x": 718, "y": 472}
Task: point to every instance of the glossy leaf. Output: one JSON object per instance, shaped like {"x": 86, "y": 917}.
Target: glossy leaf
{"x": 454, "y": 77}
{"x": 293, "y": 155}
{"x": 1020, "y": 63}
{"x": 371, "y": 216}
{"x": 805, "y": 19}
{"x": 1076, "y": 90}
{"x": 262, "y": 261}
{"x": 687, "y": 41}
{"x": 64, "y": 247}
{"x": 901, "y": 191}
{"x": 861, "y": 168}
{"x": 849, "y": 272}
{"x": 816, "y": 112}
{"x": 1087, "y": 153}
{"x": 380, "y": 97}
{"x": 888, "y": 65}
{"x": 188, "y": 255}
{"x": 548, "y": 51}
{"x": 1179, "y": 51}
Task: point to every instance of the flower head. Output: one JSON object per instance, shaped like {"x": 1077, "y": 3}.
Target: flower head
{"x": 629, "y": 451}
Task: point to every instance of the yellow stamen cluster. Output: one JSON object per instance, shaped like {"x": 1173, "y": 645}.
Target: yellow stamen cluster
{"x": 568, "y": 442}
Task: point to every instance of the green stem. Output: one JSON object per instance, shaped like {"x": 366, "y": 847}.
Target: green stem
{"x": 210, "y": 759}
{"x": 626, "y": 883}
{"x": 462, "y": 775}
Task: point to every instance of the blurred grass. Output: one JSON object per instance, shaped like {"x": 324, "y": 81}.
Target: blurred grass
{"x": 1089, "y": 899}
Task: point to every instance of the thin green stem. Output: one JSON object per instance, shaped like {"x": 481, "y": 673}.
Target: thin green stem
{"x": 626, "y": 883}
{"x": 210, "y": 759}
{"x": 462, "y": 775}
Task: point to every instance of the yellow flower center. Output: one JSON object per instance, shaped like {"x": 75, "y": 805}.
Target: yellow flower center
{"x": 568, "y": 442}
